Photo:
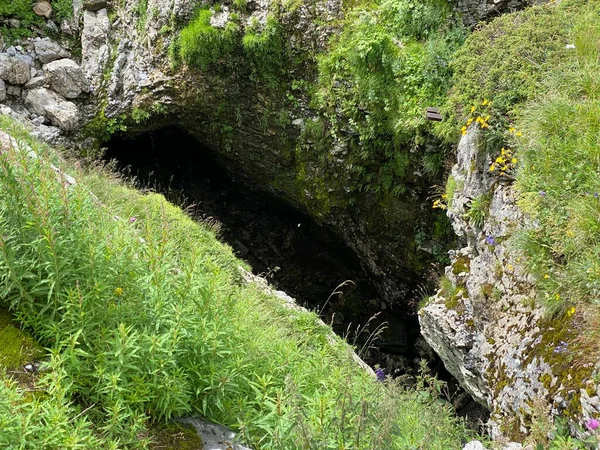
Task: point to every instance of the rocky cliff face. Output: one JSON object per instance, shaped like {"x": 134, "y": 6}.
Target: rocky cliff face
{"x": 484, "y": 322}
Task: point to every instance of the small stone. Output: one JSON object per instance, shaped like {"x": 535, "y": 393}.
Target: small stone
{"x": 2, "y": 91}
{"x": 474, "y": 445}
{"x": 15, "y": 23}
{"x": 39, "y": 120}
{"x": 43, "y": 9}
{"x": 13, "y": 69}
{"x": 14, "y": 91}
{"x": 35, "y": 82}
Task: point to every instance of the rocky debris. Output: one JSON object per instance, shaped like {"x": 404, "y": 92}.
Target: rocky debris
{"x": 43, "y": 9}
{"x": 62, "y": 113}
{"x": 65, "y": 77}
{"x": 48, "y": 50}
{"x": 94, "y": 5}
{"x": 214, "y": 436}
{"x": 14, "y": 69}
{"x": 95, "y": 50}
{"x": 2, "y": 91}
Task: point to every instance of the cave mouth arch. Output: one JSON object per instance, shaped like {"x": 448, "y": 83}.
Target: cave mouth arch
{"x": 297, "y": 255}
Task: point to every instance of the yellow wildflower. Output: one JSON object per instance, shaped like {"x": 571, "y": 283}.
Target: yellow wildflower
{"x": 570, "y": 311}
{"x": 472, "y": 109}
{"x": 492, "y": 168}
{"x": 519, "y": 134}
{"x": 514, "y": 160}
{"x": 485, "y": 102}
{"x": 118, "y": 291}
{"x": 511, "y": 130}
{"x": 470, "y": 121}
{"x": 463, "y": 130}
{"x": 546, "y": 276}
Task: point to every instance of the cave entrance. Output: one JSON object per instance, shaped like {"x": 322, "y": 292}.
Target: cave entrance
{"x": 296, "y": 254}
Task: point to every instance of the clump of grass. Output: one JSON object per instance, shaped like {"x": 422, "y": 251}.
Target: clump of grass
{"x": 147, "y": 319}
{"x": 478, "y": 209}
{"x": 204, "y": 46}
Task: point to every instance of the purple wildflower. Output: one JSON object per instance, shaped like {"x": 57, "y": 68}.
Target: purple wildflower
{"x": 596, "y": 194}
{"x": 132, "y": 219}
{"x": 542, "y": 193}
{"x": 489, "y": 240}
{"x": 380, "y": 374}
{"x": 593, "y": 424}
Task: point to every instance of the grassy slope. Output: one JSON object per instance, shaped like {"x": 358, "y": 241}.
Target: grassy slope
{"x": 146, "y": 319}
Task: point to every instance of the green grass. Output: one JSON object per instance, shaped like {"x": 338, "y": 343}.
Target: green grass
{"x": 506, "y": 62}
{"x": 146, "y": 319}
{"x": 558, "y": 177}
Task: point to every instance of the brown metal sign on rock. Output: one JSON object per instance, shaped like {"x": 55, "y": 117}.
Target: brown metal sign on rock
{"x": 433, "y": 114}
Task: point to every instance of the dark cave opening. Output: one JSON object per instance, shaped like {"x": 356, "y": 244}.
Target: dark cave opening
{"x": 296, "y": 254}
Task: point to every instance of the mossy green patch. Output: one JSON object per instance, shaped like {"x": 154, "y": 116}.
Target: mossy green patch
{"x": 175, "y": 436}
{"x": 462, "y": 264}
{"x": 16, "y": 347}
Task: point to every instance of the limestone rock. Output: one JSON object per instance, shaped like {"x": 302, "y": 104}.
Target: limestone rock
{"x": 484, "y": 325}
{"x": 214, "y": 436}
{"x": 43, "y": 9}
{"x": 65, "y": 77}
{"x": 14, "y": 69}
{"x": 94, "y": 5}
{"x": 35, "y": 82}
{"x": 2, "y": 91}
{"x": 95, "y": 51}
{"x": 61, "y": 112}
{"x": 48, "y": 50}
{"x": 13, "y": 91}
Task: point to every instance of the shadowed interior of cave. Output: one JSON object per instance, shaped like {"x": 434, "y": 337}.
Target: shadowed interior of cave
{"x": 297, "y": 255}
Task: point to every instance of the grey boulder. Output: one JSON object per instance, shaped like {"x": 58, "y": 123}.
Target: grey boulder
{"x": 48, "y": 50}
{"x": 65, "y": 77}
{"x": 2, "y": 91}
{"x": 60, "y": 112}
{"x": 13, "y": 69}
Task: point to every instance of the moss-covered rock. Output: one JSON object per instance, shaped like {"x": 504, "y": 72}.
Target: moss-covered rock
{"x": 16, "y": 346}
